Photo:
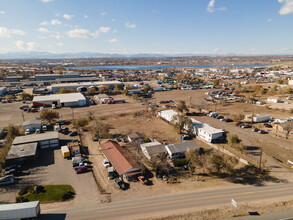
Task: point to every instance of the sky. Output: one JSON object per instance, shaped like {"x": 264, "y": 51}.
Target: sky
{"x": 147, "y": 26}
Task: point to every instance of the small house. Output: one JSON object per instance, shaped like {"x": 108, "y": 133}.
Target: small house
{"x": 32, "y": 125}
{"x": 178, "y": 150}
{"x": 136, "y": 137}
{"x": 74, "y": 148}
{"x": 152, "y": 149}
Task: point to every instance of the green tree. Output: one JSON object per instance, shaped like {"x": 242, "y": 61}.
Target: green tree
{"x": 233, "y": 140}
{"x": 49, "y": 115}
{"x": 182, "y": 107}
{"x": 26, "y": 96}
{"x": 80, "y": 123}
{"x": 180, "y": 121}
{"x": 12, "y": 132}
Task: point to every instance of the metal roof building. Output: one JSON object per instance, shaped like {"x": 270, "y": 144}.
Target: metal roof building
{"x": 44, "y": 140}
{"x": 63, "y": 100}
{"x": 82, "y": 86}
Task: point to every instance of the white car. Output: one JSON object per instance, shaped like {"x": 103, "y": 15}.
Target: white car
{"x": 45, "y": 128}
{"x": 106, "y": 163}
{"x": 27, "y": 131}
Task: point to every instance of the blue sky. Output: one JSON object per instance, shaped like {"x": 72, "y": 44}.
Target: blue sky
{"x": 147, "y": 26}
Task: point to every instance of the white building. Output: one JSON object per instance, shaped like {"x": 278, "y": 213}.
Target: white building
{"x": 178, "y": 150}
{"x": 32, "y": 125}
{"x": 151, "y": 149}
{"x": 83, "y": 86}
{"x": 274, "y": 99}
{"x": 167, "y": 114}
{"x": 209, "y": 133}
{"x": 63, "y": 100}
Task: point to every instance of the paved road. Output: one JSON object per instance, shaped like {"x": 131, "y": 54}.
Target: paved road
{"x": 176, "y": 203}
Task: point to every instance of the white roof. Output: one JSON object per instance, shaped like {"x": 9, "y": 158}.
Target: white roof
{"x": 153, "y": 143}
{"x": 68, "y": 97}
{"x": 86, "y": 84}
{"x": 168, "y": 112}
{"x": 211, "y": 130}
{"x": 15, "y": 206}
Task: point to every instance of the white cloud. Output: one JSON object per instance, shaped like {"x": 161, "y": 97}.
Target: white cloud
{"x": 30, "y": 46}
{"x": 82, "y": 33}
{"x": 211, "y": 7}
{"x": 19, "y": 44}
{"x": 114, "y": 40}
{"x": 287, "y": 7}
{"x": 67, "y": 16}
{"x": 105, "y": 29}
{"x": 43, "y": 30}
{"x": 7, "y": 33}
{"x": 47, "y": 1}
{"x": 129, "y": 25}
{"x": 217, "y": 49}
{"x": 57, "y": 36}
{"x": 103, "y": 13}
{"x": 114, "y": 31}
{"x": 2, "y": 12}
{"x": 59, "y": 45}
{"x": 85, "y": 16}
{"x": 269, "y": 20}
{"x": 52, "y": 22}
{"x": 113, "y": 20}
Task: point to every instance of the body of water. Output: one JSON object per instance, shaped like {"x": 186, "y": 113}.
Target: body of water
{"x": 153, "y": 67}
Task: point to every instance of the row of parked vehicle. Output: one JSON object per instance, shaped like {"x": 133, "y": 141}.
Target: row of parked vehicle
{"x": 10, "y": 173}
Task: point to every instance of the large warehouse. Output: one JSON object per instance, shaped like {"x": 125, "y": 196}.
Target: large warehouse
{"x": 23, "y": 153}
{"x": 63, "y": 100}
{"x": 83, "y": 86}
{"x": 44, "y": 140}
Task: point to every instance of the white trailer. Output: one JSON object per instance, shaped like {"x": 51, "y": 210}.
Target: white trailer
{"x": 25, "y": 210}
{"x": 261, "y": 118}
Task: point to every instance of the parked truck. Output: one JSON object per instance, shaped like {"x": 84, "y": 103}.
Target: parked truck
{"x": 257, "y": 119}
{"x": 25, "y": 210}
{"x": 65, "y": 151}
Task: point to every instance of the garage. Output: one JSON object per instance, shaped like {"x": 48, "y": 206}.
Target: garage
{"x": 44, "y": 140}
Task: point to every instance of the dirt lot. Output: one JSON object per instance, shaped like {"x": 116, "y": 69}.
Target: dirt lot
{"x": 53, "y": 169}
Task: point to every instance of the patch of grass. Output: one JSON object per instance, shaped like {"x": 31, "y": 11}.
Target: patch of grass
{"x": 50, "y": 193}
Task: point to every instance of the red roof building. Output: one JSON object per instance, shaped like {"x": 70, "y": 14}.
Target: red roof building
{"x": 120, "y": 159}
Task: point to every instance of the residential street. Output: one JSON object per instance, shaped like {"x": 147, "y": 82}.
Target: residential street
{"x": 176, "y": 203}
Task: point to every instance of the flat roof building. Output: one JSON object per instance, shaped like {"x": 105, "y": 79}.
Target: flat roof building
{"x": 63, "y": 100}
{"x": 23, "y": 153}
{"x": 82, "y": 86}
{"x": 44, "y": 140}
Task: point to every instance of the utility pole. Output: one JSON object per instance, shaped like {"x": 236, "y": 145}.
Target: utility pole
{"x": 22, "y": 116}
{"x": 72, "y": 113}
{"x": 260, "y": 158}
{"x": 190, "y": 101}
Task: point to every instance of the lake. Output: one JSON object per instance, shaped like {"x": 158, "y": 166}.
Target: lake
{"x": 153, "y": 67}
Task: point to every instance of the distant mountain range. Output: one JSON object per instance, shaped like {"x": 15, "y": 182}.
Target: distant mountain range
{"x": 47, "y": 55}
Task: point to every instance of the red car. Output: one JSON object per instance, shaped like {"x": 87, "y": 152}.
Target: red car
{"x": 81, "y": 170}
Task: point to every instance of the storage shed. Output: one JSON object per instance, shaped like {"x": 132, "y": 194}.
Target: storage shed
{"x": 23, "y": 153}
{"x": 32, "y": 125}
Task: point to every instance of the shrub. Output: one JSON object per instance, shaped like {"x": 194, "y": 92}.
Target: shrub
{"x": 26, "y": 190}
{"x": 68, "y": 195}
{"x": 39, "y": 189}
{"x": 181, "y": 162}
{"x": 21, "y": 199}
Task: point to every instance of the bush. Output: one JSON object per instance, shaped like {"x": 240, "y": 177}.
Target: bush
{"x": 181, "y": 162}
{"x": 25, "y": 190}
{"x": 21, "y": 199}
{"x": 68, "y": 195}
{"x": 39, "y": 189}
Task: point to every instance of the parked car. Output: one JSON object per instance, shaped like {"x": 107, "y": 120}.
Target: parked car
{"x": 228, "y": 120}
{"x": 81, "y": 170}
{"x": 267, "y": 125}
{"x": 106, "y": 163}
{"x": 262, "y": 132}
{"x": 245, "y": 126}
{"x": 15, "y": 172}
{"x": 219, "y": 117}
{"x": 222, "y": 119}
{"x": 38, "y": 131}
{"x": 255, "y": 129}
{"x": 27, "y": 131}
{"x": 120, "y": 184}
{"x": 45, "y": 128}
{"x": 239, "y": 123}
{"x": 72, "y": 133}
{"x": 14, "y": 166}
{"x": 9, "y": 179}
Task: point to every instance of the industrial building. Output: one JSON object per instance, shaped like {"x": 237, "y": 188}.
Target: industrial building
{"x": 44, "y": 140}
{"x": 23, "y": 153}
{"x": 62, "y": 100}
{"x": 83, "y": 86}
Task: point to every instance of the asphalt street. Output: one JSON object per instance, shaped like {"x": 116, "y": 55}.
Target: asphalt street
{"x": 177, "y": 203}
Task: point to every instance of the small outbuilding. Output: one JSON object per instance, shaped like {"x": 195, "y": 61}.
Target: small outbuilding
{"x": 152, "y": 149}
{"x": 136, "y": 137}
{"x": 178, "y": 150}
{"x": 32, "y": 125}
